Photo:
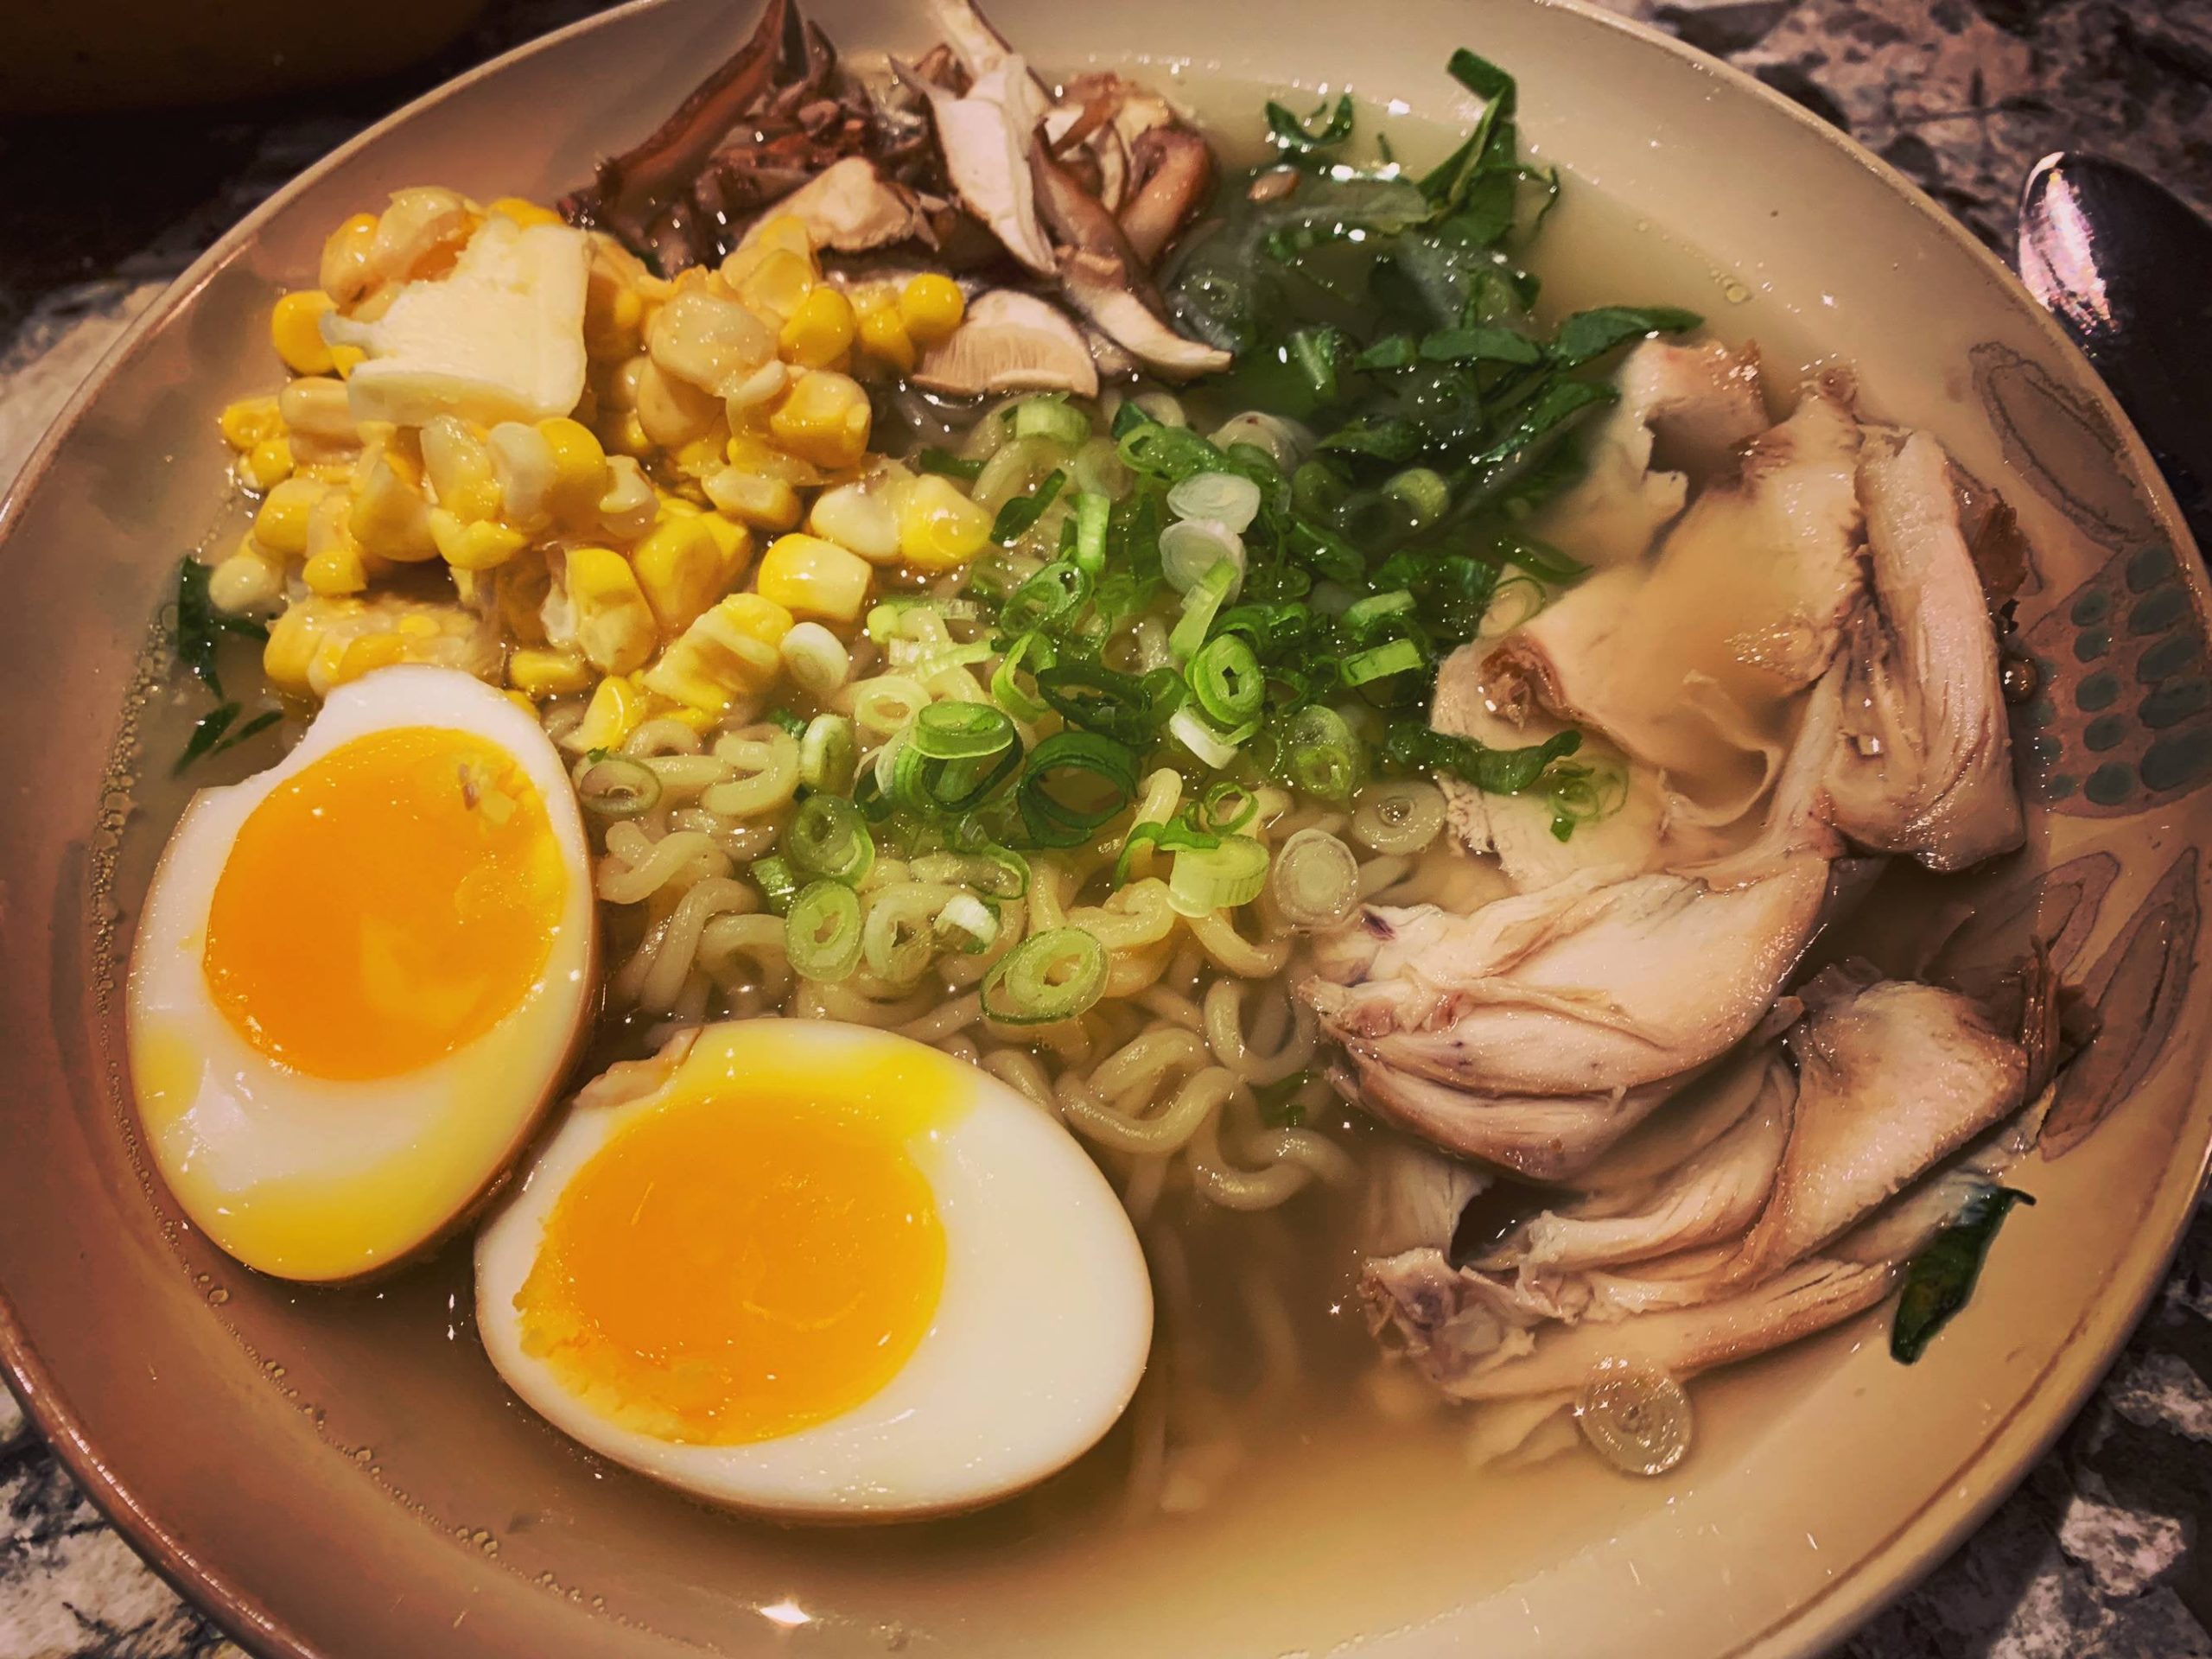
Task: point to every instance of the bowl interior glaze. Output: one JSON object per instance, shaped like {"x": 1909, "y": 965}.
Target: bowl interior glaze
{"x": 340, "y": 1473}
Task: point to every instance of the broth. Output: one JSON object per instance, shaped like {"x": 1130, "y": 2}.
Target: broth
{"x": 1263, "y": 1402}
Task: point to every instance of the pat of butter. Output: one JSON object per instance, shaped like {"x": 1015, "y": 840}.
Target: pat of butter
{"x": 499, "y": 338}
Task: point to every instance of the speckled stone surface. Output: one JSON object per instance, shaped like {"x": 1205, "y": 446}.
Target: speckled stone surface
{"x": 2095, "y": 1557}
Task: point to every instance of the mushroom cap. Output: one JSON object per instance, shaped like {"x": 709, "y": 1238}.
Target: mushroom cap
{"x": 1010, "y": 341}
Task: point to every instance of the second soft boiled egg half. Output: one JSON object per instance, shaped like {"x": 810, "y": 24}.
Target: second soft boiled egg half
{"x": 816, "y": 1271}
{"x": 361, "y": 974}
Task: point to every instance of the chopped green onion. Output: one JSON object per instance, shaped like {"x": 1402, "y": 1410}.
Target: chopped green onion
{"x": 1099, "y": 699}
{"x": 995, "y": 872}
{"x": 1048, "y": 977}
{"x": 1006, "y": 690}
{"x": 1129, "y": 417}
{"x": 821, "y": 934}
{"x": 960, "y": 731}
{"x": 783, "y": 720}
{"x": 827, "y": 840}
{"x": 967, "y": 922}
{"x": 1315, "y": 880}
{"x": 1229, "y": 499}
{"x": 887, "y": 703}
{"x": 1091, "y": 514}
{"x": 1314, "y": 353}
{"x": 829, "y": 752}
{"x": 1421, "y": 493}
{"x": 1051, "y": 418}
{"x": 1224, "y": 677}
{"x": 1318, "y": 757}
{"x": 1206, "y": 880}
{"x": 1051, "y": 816}
{"x": 1190, "y": 548}
{"x": 1054, "y": 593}
{"x": 1364, "y": 614}
{"x": 613, "y": 786}
{"x": 935, "y": 787}
{"x": 1410, "y": 743}
{"x": 1018, "y": 515}
{"x": 945, "y": 464}
{"x": 1226, "y": 807}
{"x": 1200, "y": 605}
{"x": 1396, "y": 658}
{"x": 899, "y": 936}
{"x": 779, "y": 885}
{"x": 1171, "y": 836}
{"x": 1216, "y": 749}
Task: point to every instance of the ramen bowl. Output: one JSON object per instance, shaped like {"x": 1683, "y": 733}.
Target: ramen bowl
{"x": 341, "y": 1472}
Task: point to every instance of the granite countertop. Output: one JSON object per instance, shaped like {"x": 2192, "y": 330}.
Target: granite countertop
{"x": 2094, "y": 1557}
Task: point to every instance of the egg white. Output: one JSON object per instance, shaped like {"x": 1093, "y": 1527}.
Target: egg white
{"x": 309, "y": 1177}
{"x": 1034, "y": 1349}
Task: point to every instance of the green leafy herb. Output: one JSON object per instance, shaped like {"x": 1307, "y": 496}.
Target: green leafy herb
{"x": 1589, "y": 334}
{"x": 1300, "y": 136}
{"x": 783, "y": 720}
{"x": 199, "y": 627}
{"x": 1278, "y": 1100}
{"x": 1410, "y": 743}
{"x": 1938, "y": 1280}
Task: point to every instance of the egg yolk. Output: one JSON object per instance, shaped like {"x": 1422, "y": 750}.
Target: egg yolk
{"x": 387, "y": 905}
{"x": 731, "y": 1267}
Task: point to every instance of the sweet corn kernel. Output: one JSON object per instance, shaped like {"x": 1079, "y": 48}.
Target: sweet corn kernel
{"x": 295, "y": 329}
{"x": 579, "y": 469}
{"x": 932, "y": 305}
{"x": 629, "y": 504}
{"x": 858, "y": 516}
{"x": 701, "y": 721}
{"x": 683, "y": 568}
{"x": 615, "y": 313}
{"x": 346, "y": 274}
{"x": 523, "y": 466}
{"x": 483, "y": 544}
{"x": 616, "y": 709}
{"x": 939, "y": 529}
{"x": 615, "y": 625}
{"x": 624, "y": 433}
{"x": 336, "y": 570}
{"x": 265, "y": 465}
{"x": 346, "y": 358}
{"x": 316, "y": 406}
{"x": 247, "y": 580}
{"x": 250, "y": 421}
{"x": 280, "y": 526}
{"x": 362, "y": 655}
{"x": 707, "y": 339}
{"x": 672, "y": 412}
{"x": 458, "y": 464}
{"x": 785, "y": 233}
{"x": 730, "y": 649}
{"x": 389, "y": 517}
{"x": 525, "y": 213}
{"x": 884, "y": 337}
{"x": 746, "y": 450}
{"x": 749, "y": 396}
{"x": 810, "y": 577}
{"x": 823, "y": 419}
{"x": 541, "y": 673}
{"x": 754, "y": 498}
{"x": 777, "y": 284}
{"x": 293, "y": 638}
{"x": 820, "y": 331}
{"x": 734, "y": 540}
{"x": 701, "y": 458}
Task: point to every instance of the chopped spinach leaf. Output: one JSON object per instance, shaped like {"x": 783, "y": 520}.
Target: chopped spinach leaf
{"x": 1939, "y": 1281}
{"x": 1301, "y": 136}
{"x": 1589, "y": 334}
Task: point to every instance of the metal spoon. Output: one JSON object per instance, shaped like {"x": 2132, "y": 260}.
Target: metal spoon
{"x": 2126, "y": 266}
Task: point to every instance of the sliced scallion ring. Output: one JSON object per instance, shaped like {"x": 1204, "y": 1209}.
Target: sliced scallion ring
{"x": 1225, "y": 681}
{"x": 1231, "y": 500}
{"x": 1399, "y": 817}
{"x": 777, "y": 883}
{"x": 1226, "y": 807}
{"x": 1032, "y": 651}
{"x": 1315, "y": 880}
{"x": 1190, "y": 548}
{"x": 1216, "y": 749}
{"x": 1398, "y": 656}
{"x": 1206, "y": 880}
{"x": 829, "y": 752}
{"x": 827, "y": 839}
{"x": 960, "y": 731}
{"x": 1074, "y": 784}
{"x": 1092, "y": 513}
{"x": 898, "y": 935}
{"x": 1636, "y": 1418}
{"x": 615, "y": 786}
{"x": 1049, "y": 417}
{"x": 821, "y": 934}
{"x": 1364, "y": 614}
{"x": 967, "y": 923}
{"x": 1319, "y": 755}
{"x": 1098, "y": 699}
{"x": 1048, "y": 977}
{"x": 1051, "y": 596}
{"x": 1200, "y": 605}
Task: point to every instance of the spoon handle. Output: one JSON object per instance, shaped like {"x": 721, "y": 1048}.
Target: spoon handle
{"x": 2122, "y": 263}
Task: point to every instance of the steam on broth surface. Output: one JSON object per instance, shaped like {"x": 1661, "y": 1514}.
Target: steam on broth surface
{"x": 1377, "y": 750}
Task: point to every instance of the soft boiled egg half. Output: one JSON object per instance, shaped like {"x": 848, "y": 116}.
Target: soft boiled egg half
{"x": 360, "y": 975}
{"x": 817, "y": 1271}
